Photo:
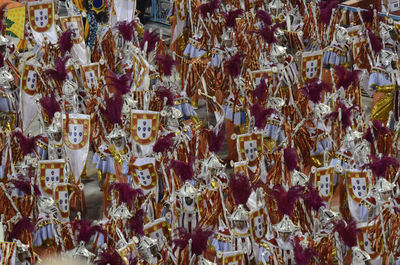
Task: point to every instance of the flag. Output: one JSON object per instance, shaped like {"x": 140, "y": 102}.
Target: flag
{"x": 15, "y": 22}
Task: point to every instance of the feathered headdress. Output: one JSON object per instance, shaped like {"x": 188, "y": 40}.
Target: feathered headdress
{"x": 60, "y": 73}
{"x": 166, "y": 63}
{"x": 286, "y": 199}
{"x": 85, "y": 230}
{"x": 136, "y": 223}
{"x": 345, "y": 112}
{"x": 260, "y": 92}
{"x": 113, "y": 109}
{"x": 27, "y": 144}
{"x": 302, "y": 256}
{"x": 378, "y": 128}
{"x": 234, "y": 64}
{"x": 50, "y": 105}
{"x": 291, "y": 158}
{"x": 208, "y": 8}
{"x": 107, "y": 258}
{"x": 65, "y": 42}
{"x": 264, "y": 17}
{"x": 311, "y": 198}
{"x": 126, "y": 29}
{"x": 164, "y": 143}
{"x": 376, "y": 41}
{"x": 346, "y": 78}
{"x": 313, "y": 90}
{"x": 2, "y": 13}
{"x": 240, "y": 187}
{"x": 126, "y": 193}
{"x": 151, "y": 38}
{"x": 230, "y": 18}
{"x": 348, "y": 233}
{"x": 122, "y": 84}
{"x": 182, "y": 169}
{"x": 379, "y": 166}
{"x": 325, "y": 10}
{"x": 260, "y": 115}
{"x": 163, "y": 93}
{"x": 23, "y": 224}
{"x": 215, "y": 140}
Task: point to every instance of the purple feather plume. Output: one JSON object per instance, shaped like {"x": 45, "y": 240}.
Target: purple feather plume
{"x": 325, "y": 8}
{"x": 163, "y": 93}
{"x": 260, "y": 115}
{"x": 311, "y": 197}
{"x": 27, "y": 144}
{"x": 302, "y": 256}
{"x": 368, "y": 15}
{"x": 215, "y": 140}
{"x": 291, "y": 158}
{"x": 126, "y": 29}
{"x": 164, "y": 143}
{"x": 107, "y": 258}
{"x": 261, "y": 90}
{"x": 25, "y": 186}
{"x": 378, "y": 128}
{"x": 376, "y": 41}
{"x": 136, "y": 223}
{"x": 183, "y": 170}
{"x": 287, "y": 199}
{"x": 113, "y": 109}
{"x": 181, "y": 238}
{"x": 313, "y": 90}
{"x": 379, "y": 166}
{"x": 23, "y": 224}
{"x": 1, "y": 60}
{"x": 126, "y": 193}
{"x": 60, "y": 73}
{"x": 240, "y": 187}
{"x": 151, "y": 38}
{"x": 234, "y": 64}
{"x": 208, "y": 8}
{"x": 50, "y": 105}
{"x": 348, "y": 233}
{"x": 230, "y": 18}
{"x": 199, "y": 240}
{"x": 166, "y": 63}
{"x": 346, "y": 78}
{"x": 122, "y": 84}
{"x": 267, "y": 33}
{"x": 65, "y": 42}
{"x": 345, "y": 112}
{"x": 264, "y": 17}
{"x": 86, "y": 230}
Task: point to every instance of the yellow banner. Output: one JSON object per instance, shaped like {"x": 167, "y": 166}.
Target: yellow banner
{"x": 15, "y": 22}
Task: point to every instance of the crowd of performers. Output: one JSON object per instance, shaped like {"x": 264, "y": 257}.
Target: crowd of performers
{"x": 308, "y": 177}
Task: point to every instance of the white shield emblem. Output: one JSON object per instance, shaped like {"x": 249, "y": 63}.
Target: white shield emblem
{"x": 52, "y": 177}
{"x": 311, "y": 69}
{"x": 144, "y": 128}
{"x": 159, "y": 230}
{"x": 63, "y": 201}
{"x": 257, "y": 222}
{"x": 250, "y": 148}
{"x": 31, "y": 80}
{"x": 91, "y": 79}
{"x": 144, "y": 177}
{"x": 41, "y": 17}
{"x": 75, "y": 134}
{"x": 324, "y": 185}
{"x": 359, "y": 187}
{"x": 233, "y": 258}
